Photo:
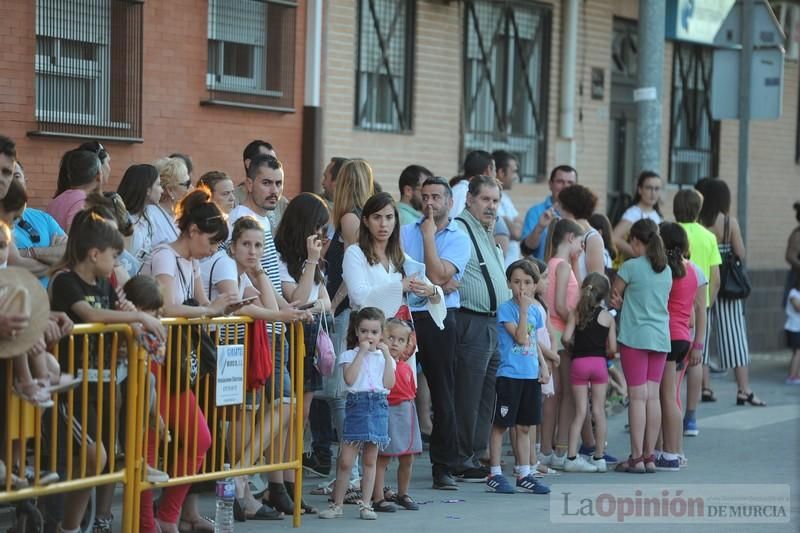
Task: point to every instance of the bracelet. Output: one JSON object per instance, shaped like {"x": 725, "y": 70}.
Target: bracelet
{"x": 698, "y": 346}
{"x": 307, "y": 262}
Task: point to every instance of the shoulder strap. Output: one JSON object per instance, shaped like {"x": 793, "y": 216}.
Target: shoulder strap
{"x": 186, "y": 287}
{"x": 484, "y": 268}
{"x": 726, "y": 232}
{"x": 211, "y": 277}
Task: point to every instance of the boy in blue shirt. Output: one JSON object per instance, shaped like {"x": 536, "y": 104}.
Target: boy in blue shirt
{"x": 521, "y": 372}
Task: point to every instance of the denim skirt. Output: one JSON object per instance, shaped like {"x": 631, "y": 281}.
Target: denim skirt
{"x": 366, "y": 418}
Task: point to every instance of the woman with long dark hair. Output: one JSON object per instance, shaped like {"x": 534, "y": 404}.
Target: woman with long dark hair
{"x": 726, "y": 321}
{"x": 140, "y": 189}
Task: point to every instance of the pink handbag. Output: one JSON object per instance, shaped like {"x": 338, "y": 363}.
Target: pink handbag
{"x": 326, "y": 356}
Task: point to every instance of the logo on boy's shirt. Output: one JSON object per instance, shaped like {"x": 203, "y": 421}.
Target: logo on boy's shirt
{"x": 527, "y": 349}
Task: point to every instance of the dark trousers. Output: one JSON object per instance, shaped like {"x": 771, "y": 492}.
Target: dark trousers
{"x": 477, "y": 359}
{"x": 319, "y": 418}
{"x": 437, "y": 357}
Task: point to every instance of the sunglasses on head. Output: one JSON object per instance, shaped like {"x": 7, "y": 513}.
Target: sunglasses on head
{"x": 26, "y": 226}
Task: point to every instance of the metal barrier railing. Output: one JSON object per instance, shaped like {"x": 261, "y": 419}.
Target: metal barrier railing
{"x": 247, "y": 433}
{"x": 57, "y": 444}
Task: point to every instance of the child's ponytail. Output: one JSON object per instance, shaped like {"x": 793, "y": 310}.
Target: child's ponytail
{"x": 557, "y": 232}
{"x": 676, "y": 243}
{"x": 646, "y": 232}
{"x": 594, "y": 291}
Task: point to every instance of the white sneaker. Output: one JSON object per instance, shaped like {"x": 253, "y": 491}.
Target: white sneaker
{"x": 333, "y": 511}
{"x": 155, "y": 475}
{"x": 367, "y": 513}
{"x": 600, "y": 464}
{"x": 558, "y": 461}
{"x": 579, "y": 464}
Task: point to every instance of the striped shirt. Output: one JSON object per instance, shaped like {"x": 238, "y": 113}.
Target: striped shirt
{"x": 269, "y": 258}
{"x": 473, "y": 290}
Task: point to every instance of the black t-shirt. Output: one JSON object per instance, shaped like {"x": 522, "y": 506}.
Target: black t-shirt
{"x": 68, "y": 288}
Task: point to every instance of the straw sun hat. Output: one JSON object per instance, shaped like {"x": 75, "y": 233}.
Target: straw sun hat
{"x": 21, "y": 293}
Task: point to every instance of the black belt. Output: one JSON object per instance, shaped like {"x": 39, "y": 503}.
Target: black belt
{"x": 490, "y": 314}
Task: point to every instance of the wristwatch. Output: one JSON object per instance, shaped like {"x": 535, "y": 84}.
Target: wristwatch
{"x": 258, "y": 272}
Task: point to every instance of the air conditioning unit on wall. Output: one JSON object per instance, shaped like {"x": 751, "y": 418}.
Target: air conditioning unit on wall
{"x": 788, "y": 13}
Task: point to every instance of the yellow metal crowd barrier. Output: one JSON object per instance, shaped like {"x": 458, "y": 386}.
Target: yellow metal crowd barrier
{"x": 253, "y": 433}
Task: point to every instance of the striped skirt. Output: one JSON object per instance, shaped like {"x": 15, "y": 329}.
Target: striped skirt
{"x": 727, "y": 325}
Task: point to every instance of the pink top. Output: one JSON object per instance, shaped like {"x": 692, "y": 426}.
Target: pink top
{"x": 681, "y": 303}
{"x": 65, "y": 206}
{"x": 573, "y": 293}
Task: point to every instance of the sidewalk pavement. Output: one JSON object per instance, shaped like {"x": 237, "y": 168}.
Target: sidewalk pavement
{"x": 736, "y": 445}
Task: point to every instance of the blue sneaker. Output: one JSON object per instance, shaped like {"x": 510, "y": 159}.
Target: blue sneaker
{"x": 588, "y": 451}
{"x": 531, "y": 485}
{"x": 669, "y": 465}
{"x": 690, "y": 427}
{"x": 499, "y": 484}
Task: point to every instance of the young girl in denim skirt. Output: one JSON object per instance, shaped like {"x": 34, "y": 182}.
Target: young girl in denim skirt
{"x": 368, "y": 376}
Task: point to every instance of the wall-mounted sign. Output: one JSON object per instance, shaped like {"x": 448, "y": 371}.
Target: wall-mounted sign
{"x": 696, "y": 21}
{"x": 598, "y": 83}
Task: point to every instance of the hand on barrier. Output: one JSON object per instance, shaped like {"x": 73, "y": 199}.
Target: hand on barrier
{"x": 153, "y": 325}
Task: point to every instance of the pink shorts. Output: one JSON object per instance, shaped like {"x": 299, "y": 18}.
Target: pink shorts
{"x": 590, "y": 369}
{"x": 641, "y": 366}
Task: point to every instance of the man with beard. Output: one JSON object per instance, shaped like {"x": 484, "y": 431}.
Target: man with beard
{"x": 410, "y": 204}
{"x": 437, "y": 242}
{"x": 482, "y": 288}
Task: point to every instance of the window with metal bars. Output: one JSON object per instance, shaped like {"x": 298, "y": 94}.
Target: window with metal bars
{"x": 384, "y": 66}
{"x": 251, "y": 52}
{"x": 89, "y": 68}
{"x": 694, "y": 134}
{"x": 506, "y": 60}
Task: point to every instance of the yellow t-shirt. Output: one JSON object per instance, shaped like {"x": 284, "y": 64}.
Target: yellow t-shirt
{"x": 704, "y": 250}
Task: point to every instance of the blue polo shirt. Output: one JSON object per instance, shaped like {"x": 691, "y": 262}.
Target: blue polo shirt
{"x": 44, "y": 225}
{"x": 531, "y": 219}
{"x": 453, "y": 246}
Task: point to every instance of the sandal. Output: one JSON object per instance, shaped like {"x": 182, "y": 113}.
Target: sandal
{"x": 631, "y": 466}
{"x": 388, "y": 493}
{"x": 383, "y": 507}
{"x": 33, "y": 392}
{"x": 650, "y": 464}
{"x": 406, "y": 502}
{"x": 279, "y": 499}
{"x": 708, "y": 395}
{"x": 744, "y": 397}
{"x": 306, "y": 509}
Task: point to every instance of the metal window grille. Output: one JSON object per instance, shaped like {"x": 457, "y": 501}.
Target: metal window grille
{"x": 694, "y": 134}
{"x": 384, "y": 67}
{"x": 506, "y": 68}
{"x": 251, "y": 53}
{"x": 89, "y": 68}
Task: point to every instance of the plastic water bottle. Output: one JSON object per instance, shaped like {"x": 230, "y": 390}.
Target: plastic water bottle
{"x": 226, "y": 492}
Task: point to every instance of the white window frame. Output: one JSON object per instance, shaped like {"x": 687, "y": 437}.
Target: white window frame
{"x": 98, "y": 69}
{"x": 216, "y": 79}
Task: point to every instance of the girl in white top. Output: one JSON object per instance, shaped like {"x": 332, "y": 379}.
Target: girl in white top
{"x": 645, "y": 204}
{"x": 368, "y": 375}
{"x": 237, "y": 270}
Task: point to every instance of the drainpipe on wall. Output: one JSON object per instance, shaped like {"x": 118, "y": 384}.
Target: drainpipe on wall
{"x": 648, "y": 97}
{"x": 565, "y": 144}
{"x": 311, "y": 154}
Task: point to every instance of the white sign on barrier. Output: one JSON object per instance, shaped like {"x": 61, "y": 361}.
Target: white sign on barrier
{"x": 230, "y": 375}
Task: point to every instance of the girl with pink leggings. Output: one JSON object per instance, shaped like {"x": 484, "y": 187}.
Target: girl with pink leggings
{"x": 175, "y": 408}
{"x": 641, "y": 290}
{"x": 590, "y": 335}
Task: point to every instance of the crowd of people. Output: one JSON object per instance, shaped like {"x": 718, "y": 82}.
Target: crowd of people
{"x": 452, "y": 318}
